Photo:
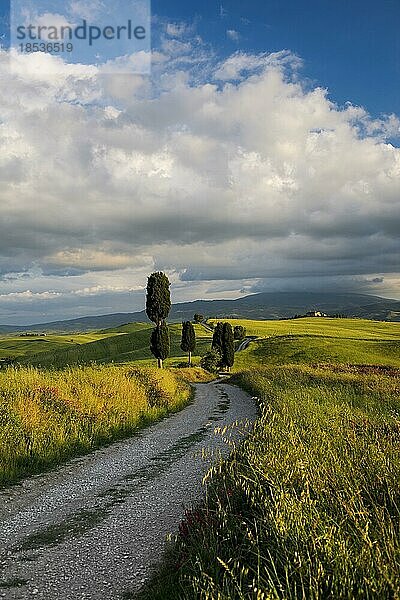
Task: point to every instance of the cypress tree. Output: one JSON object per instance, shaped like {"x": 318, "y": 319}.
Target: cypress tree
{"x": 228, "y": 346}
{"x": 158, "y": 297}
{"x": 239, "y": 332}
{"x": 159, "y": 343}
{"x": 217, "y": 342}
{"x": 158, "y": 305}
{"x": 188, "y": 343}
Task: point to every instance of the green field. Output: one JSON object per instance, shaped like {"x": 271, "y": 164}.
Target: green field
{"x": 128, "y": 343}
{"x": 12, "y": 346}
{"x": 320, "y": 340}
{"x": 319, "y": 349}
{"x": 357, "y": 329}
{"x": 300, "y": 341}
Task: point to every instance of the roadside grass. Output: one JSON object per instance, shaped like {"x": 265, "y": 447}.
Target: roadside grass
{"x": 308, "y": 506}
{"x": 193, "y": 374}
{"x": 47, "y": 417}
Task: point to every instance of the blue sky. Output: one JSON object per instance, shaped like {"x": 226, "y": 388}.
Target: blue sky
{"x": 352, "y": 47}
{"x": 262, "y": 154}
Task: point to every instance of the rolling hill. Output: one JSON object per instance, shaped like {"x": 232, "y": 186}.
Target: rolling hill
{"x": 279, "y": 305}
{"x": 307, "y": 341}
{"x": 120, "y": 344}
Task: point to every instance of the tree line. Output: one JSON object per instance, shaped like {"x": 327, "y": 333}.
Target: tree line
{"x": 158, "y": 306}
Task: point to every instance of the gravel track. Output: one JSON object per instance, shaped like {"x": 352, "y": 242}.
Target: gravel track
{"x": 95, "y": 527}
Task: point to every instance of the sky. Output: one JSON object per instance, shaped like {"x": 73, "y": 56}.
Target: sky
{"x": 261, "y": 154}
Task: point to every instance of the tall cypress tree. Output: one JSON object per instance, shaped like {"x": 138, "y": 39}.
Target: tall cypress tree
{"x": 188, "y": 343}
{"x": 217, "y": 343}
{"x": 158, "y": 297}
{"x": 160, "y": 343}
{"x": 228, "y": 346}
{"x": 158, "y": 305}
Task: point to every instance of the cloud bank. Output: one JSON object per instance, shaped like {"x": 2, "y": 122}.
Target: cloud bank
{"x": 230, "y": 175}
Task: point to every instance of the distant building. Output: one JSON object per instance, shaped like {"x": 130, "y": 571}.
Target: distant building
{"x": 316, "y": 313}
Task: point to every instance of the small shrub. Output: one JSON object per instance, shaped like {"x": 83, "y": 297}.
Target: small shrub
{"x": 211, "y": 361}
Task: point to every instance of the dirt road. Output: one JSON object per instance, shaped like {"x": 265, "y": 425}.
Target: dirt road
{"x": 96, "y": 526}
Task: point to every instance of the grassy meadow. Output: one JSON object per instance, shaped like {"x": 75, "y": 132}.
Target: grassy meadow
{"x": 309, "y": 506}
{"x": 14, "y": 346}
{"x": 49, "y": 416}
{"x": 301, "y": 341}
{"x": 356, "y": 329}
{"x": 320, "y": 340}
{"x": 125, "y": 344}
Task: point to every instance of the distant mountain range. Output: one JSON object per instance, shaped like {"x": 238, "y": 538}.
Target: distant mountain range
{"x": 274, "y": 305}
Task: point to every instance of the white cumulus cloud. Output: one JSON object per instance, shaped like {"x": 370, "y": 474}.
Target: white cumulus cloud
{"x": 232, "y": 171}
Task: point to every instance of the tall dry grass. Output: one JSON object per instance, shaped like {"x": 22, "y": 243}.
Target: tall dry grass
{"x": 309, "y": 506}
{"x": 48, "y": 416}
